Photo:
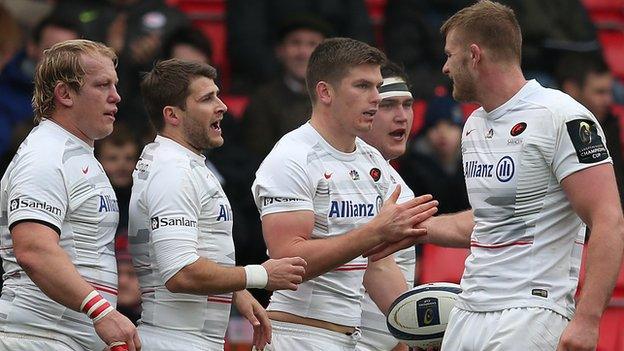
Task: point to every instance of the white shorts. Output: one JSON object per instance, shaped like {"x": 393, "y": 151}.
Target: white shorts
{"x": 375, "y": 334}
{"x": 20, "y": 342}
{"x": 521, "y": 329}
{"x": 290, "y": 337}
{"x": 373, "y": 340}
{"x": 159, "y": 339}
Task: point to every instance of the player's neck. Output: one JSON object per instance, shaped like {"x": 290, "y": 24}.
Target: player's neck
{"x": 67, "y": 123}
{"x": 332, "y": 132}
{"x": 496, "y": 91}
{"x": 178, "y": 138}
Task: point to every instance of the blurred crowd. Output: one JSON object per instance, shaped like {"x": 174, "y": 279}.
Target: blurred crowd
{"x": 268, "y": 46}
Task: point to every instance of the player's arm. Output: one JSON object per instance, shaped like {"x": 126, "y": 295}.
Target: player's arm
{"x": 594, "y": 197}
{"x": 205, "y": 277}
{"x": 173, "y": 193}
{"x": 450, "y": 230}
{"x": 37, "y": 251}
{"x": 288, "y": 234}
{"x": 384, "y": 282}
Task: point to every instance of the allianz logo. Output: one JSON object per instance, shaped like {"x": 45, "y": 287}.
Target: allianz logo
{"x": 503, "y": 170}
{"x": 354, "y": 209}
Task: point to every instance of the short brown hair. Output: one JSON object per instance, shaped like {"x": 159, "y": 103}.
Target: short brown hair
{"x": 167, "y": 84}
{"x": 490, "y": 24}
{"x": 332, "y": 59}
{"x": 62, "y": 63}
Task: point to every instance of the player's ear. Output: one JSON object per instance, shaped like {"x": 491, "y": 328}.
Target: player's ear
{"x": 324, "y": 92}
{"x": 171, "y": 115}
{"x": 475, "y": 54}
{"x": 62, "y": 94}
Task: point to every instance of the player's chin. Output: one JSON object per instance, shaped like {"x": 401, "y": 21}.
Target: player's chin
{"x": 215, "y": 141}
{"x": 102, "y": 132}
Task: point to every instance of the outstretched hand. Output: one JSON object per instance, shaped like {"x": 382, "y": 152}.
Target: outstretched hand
{"x": 399, "y": 223}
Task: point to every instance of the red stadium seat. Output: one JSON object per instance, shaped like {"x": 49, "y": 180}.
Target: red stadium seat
{"x": 612, "y": 330}
{"x": 612, "y": 323}
{"x": 209, "y": 17}
{"x": 618, "y": 111}
{"x": 441, "y": 264}
{"x": 613, "y": 49}
{"x": 605, "y": 13}
{"x": 236, "y": 104}
{"x": 419, "y": 108}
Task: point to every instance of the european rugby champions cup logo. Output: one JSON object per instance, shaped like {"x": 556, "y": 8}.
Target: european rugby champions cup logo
{"x": 585, "y": 132}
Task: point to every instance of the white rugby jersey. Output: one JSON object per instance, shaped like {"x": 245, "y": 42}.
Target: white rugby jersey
{"x": 344, "y": 190}
{"x": 179, "y": 212}
{"x": 55, "y": 179}
{"x": 372, "y": 318}
{"x": 527, "y": 241}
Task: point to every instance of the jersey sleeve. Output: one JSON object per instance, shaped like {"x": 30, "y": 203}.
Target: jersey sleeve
{"x": 580, "y": 144}
{"x": 173, "y": 207}
{"x": 37, "y": 192}
{"x": 282, "y": 185}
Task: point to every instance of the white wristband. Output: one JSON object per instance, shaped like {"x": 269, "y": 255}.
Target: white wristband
{"x": 257, "y": 276}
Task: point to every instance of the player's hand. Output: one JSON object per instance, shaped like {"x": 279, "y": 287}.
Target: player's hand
{"x": 581, "y": 334}
{"x": 285, "y": 273}
{"x": 116, "y": 327}
{"x": 251, "y": 309}
{"x": 395, "y": 221}
{"x": 400, "y": 347}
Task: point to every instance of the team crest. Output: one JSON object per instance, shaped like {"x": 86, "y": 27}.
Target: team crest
{"x": 518, "y": 129}
{"x": 375, "y": 173}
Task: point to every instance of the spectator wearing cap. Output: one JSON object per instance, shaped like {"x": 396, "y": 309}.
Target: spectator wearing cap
{"x": 283, "y": 104}
{"x": 432, "y": 164}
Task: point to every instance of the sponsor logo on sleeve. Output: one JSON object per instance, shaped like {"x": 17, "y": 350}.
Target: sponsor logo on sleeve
{"x": 180, "y": 221}
{"x": 588, "y": 145}
{"x": 34, "y": 204}
{"x": 276, "y": 199}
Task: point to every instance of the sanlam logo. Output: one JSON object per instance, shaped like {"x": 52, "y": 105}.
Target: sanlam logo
{"x": 159, "y": 222}
{"x": 33, "y": 204}
{"x": 503, "y": 171}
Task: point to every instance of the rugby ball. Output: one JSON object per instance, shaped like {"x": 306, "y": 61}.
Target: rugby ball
{"x": 419, "y": 316}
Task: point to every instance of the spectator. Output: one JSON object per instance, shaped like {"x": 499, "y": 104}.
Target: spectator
{"x": 550, "y": 29}
{"x": 433, "y": 164}
{"x": 283, "y": 104}
{"x": 587, "y": 78}
{"x": 10, "y": 36}
{"x": 16, "y": 79}
{"x": 412, "y": 37}
{"x": 118, "y": 153}
{"x": 136, "y": 30}
{"x": 188, "y": 43}
{"x": 253, "y": 32}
